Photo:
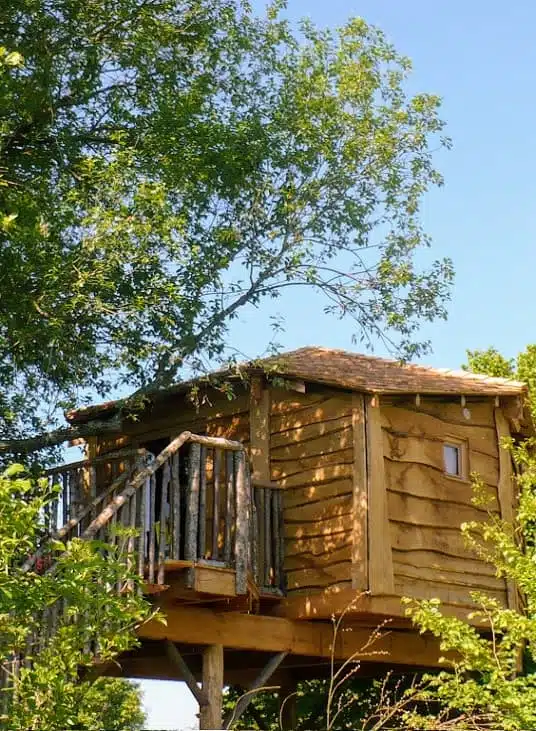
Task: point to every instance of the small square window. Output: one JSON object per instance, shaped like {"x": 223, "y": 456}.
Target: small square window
{"x": 453, "y": 461}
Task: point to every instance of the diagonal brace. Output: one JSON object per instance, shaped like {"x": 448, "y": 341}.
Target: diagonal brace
{"x": 178, "y": 660}
{"x": 265, "y": 674}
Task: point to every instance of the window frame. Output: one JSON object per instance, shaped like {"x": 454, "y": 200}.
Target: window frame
{"x": 463, "y": 458}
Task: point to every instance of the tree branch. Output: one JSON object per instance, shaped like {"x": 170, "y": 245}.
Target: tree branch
{"x": 57, "y": 436}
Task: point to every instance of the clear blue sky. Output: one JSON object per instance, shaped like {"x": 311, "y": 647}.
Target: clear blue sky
{"x": 480, "y": 56}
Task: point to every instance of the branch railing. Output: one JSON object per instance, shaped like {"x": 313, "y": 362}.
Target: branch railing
{"x": 194, "y": 502}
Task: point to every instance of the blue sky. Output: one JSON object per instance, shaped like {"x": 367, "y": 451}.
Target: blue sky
{"x": 480, "y": 56}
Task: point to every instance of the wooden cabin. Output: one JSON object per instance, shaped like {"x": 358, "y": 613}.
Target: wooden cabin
{"x": 324, "y": 476}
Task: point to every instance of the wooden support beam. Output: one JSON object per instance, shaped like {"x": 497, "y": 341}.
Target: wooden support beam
{"x": 257, "y": 685}
{"x": 210, "y": 713}
{"x": 259, "y": 426}
{"x": 360, "y": 496}
{"x": 506, "y": 491}
{"x": 380, "y": 555}
{"x": 200, "y": 626}
{"x": 186, "y": 674}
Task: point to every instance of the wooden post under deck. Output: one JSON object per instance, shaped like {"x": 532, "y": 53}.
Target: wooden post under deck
{"x": 210, "y": 715}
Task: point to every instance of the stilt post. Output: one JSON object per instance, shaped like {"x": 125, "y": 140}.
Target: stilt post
{"x": 210, "y": 714}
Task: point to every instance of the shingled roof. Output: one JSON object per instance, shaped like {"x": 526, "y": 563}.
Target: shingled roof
{"x": 352, "y": 371}
{"x": 380, "y": 375}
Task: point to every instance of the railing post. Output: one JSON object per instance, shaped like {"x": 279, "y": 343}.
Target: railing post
{"x": 192, "y": 514}
{"x": 242, "y": 523}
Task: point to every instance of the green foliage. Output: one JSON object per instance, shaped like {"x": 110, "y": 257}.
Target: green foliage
{"x": 167, "y": 163}
{"x": 93, "y": 622}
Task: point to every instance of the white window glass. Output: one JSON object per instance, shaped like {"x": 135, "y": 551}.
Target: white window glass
{"x": 452, "y": 459}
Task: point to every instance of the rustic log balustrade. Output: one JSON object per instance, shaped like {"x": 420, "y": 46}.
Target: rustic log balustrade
{"x": 194, "y": 502}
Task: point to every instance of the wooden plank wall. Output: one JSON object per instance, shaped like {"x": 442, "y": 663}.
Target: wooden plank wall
{"x": 311, "y": 457}
{"x": 426, "y": 507}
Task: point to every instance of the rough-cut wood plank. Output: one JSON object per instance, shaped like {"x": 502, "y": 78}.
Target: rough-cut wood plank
{"x": 481, "y": 412}
{"x": 448, "y": 541}
{"x": 317, "y": 476}
{"x": 216, "y": 503}
{"x": 380, "y": 560}
{"x": 319, "y": 577}
{"x": 325, "y": 410}
{"x": 214, "y": 580}
{"x": 309, "y": 432}
{"x": 210, "y": 715}
{"x": 420, "y": 558}
{"x": 202, "y": 519}
{"x": 192, "y": 514}
{"x": 242, "y": 523}
{"x": 430, "y": 452}
{"x": 194, "y": 625}
{"x": 417, "y": 424}
{"x": 476, "y": 582}
{"x": 425, "y": 481}
{"x": 259, "y": 426}
{"x": 316, "y": 493}
{"x": 359, "y": 496}
{"x": 506, "y": 490}
{"x": 283, "y": 401}
{"x": 320, "y": 546}
{"x": 422, "y": 511}
{"x": 291, "y": 467}
{"x": 423, "y": 589}
{"x": 335, "y": 441}
{"x": 320, "y": 511}
{"x": 308, "y": 559}
{"x": 326, "y": 528}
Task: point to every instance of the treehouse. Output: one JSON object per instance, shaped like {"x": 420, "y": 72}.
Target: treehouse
{"x": 326, "y": 483}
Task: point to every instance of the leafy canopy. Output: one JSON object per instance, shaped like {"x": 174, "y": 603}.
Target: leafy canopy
{"x": 91, "y": 621}
{"x": 165, "y": 163}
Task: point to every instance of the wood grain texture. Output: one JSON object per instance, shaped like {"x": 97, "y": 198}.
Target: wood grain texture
{"x": 360, "y": 513}
{"x": 418, "y": 424}
{"x": 506, "y": 491}
{"x": 380, "y": 560}
{"x": 422, "y": 511}
{"x": 259, "y": 426}
{"x": 429, "y": 452}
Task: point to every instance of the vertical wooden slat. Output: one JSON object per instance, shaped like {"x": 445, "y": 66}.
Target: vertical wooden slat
{"x": 192, "y": 514}
{"x": 163, "y": 522}
{"x": 176, "y": 507}
{"x": 65, "y": 497}
{"x": 216, "y": 508}
{"x": 275, "y": 537}
{"x": 242, "y": 523}
{"x": 267, "y": 538}
{"x": 259, "y": 499}
{"x": 131, "y": 540}
{"x": 506, "y": 492}
{"x": 142, "y": 541}
{"x": 254, "y": 540}
{"x": 152, "y": 527}
{"x": 92, "y": 490}
{"x": 359, "y": 496}
{"x": 281, "y": 547}
{"x": 202, "y": 531}
{"x": 380, "y": 559}
{"x": 228, "y": 552}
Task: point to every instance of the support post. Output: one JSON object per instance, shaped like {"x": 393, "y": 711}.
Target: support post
{"x": 380, "y": 556}
{"x": 210, "y": 714}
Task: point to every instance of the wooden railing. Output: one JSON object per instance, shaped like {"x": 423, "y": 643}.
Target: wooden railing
{"x": 193, "y": 502}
